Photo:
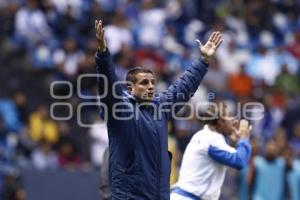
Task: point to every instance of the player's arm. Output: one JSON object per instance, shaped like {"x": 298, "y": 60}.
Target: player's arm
{"x": 190, "y": 80}
{"x": 105, "y": 67}
{"x": 237, "y": 158}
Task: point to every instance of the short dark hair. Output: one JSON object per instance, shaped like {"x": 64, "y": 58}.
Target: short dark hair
{"x": 131, "y": 74}
{"x": 213, "y": 113}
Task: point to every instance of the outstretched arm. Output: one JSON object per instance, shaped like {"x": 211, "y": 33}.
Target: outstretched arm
{"x": 182, "y": 90}
{"x": 106, "y": 68}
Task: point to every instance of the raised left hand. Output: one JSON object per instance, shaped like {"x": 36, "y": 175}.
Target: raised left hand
{"x": 208, "y": 50}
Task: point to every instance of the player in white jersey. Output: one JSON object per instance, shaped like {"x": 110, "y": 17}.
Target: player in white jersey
{"x": 207, "y": 156}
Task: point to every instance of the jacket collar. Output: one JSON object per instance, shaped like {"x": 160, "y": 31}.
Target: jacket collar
{"x": 133, "y": 99}
{"x": 206, "y": 128}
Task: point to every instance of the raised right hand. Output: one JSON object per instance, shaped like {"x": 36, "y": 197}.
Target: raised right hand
{"x": 100, "y": 36}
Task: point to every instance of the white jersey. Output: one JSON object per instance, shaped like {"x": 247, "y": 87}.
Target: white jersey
{"x": 203, "y": 168}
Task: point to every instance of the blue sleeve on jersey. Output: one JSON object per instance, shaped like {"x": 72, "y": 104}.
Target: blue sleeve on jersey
{"x": 237, "y": 160}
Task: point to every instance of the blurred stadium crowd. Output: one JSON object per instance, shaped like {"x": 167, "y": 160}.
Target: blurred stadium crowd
{"x": 43, "y": 41}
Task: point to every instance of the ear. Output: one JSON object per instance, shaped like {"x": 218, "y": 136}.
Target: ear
{"x": 130, "y": 89}
{"x": 220, "y": 123}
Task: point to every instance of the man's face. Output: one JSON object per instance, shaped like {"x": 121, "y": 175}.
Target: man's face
{"x": 144, "y": 87}
{"x": 271, "y": 150}
{"x": 228, "y": 122}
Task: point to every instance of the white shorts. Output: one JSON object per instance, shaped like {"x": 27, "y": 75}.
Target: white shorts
{"x": 175, "y": 196}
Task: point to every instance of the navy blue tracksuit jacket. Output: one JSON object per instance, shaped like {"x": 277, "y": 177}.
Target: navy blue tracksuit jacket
{"x": 139, "y": 164}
